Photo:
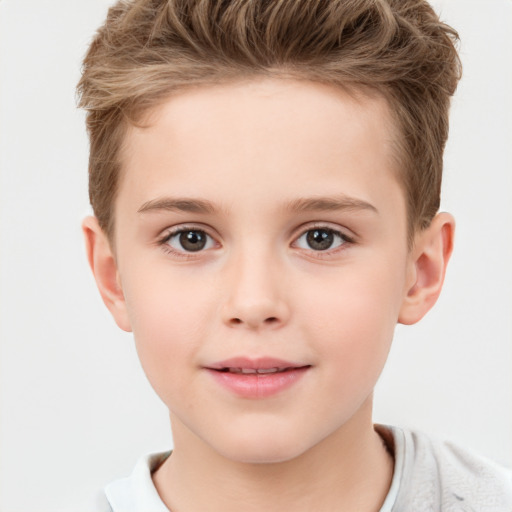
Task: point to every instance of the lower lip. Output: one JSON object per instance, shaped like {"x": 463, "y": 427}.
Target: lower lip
{"x": 261, "y": 385}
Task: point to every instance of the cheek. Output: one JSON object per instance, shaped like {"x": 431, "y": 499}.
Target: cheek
{"x": 353, "y": 318}
{"x": 169, "y": 320}
{"x": 162, "y": 303}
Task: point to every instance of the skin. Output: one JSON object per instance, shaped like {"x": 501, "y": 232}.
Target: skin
{"x": 260, "y": 288}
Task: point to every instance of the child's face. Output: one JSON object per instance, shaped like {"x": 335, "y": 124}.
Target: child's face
{"x": 293, "y": 247}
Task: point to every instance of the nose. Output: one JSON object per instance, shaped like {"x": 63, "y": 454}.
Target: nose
{"x": 256, "y": 294}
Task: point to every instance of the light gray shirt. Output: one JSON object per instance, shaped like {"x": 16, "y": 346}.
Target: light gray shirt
{"x": 429, "y": 476}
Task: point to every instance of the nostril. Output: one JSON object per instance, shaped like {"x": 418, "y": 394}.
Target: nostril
{"x": 254, "y": 322}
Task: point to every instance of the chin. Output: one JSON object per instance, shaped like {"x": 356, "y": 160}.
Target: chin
{"x": 262, "y": 456}
{"x": 263, "y": 448}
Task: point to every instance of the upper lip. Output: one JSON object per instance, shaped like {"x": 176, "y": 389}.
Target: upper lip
{"x": 260, "y": 363}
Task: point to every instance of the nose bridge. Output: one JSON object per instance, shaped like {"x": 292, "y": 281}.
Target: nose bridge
{"x": 256, "y": 297}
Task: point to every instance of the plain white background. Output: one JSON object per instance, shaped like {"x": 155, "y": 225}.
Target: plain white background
{"x": 76, "y": 410}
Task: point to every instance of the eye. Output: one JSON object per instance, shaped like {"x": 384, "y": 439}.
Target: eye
{"x": 188, "y": 240}
{"x": 321, "y": 239}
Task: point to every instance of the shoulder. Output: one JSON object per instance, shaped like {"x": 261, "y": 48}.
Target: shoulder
{"x": 447, "y": 477}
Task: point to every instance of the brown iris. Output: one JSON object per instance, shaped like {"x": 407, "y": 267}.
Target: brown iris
{"x": 193, "y": 240}
{"x": 320, "y": 239}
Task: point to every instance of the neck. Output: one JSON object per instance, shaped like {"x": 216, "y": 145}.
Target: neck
{"x": 349, "y": 470}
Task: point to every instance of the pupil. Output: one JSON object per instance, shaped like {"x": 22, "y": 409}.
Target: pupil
{"x": 192, "y": 240}
{"x": 320, "y": 239}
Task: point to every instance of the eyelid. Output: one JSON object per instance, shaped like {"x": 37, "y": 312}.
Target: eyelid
{"x": 348, "y": 239}
{"x": 176, "y": 230}
{"x": 168, "y": 233}
{"x": 344, "y": 232}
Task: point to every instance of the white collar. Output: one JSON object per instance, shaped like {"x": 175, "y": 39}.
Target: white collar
{"x": 137, "y": 492}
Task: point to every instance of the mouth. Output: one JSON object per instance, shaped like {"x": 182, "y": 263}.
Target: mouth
{"x": 257, "y": 378}
{"x": 258, "y": 371}
{"x": 260, "y": 365}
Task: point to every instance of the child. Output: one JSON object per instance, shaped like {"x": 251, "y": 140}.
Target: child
{"x": 265, "y": 178}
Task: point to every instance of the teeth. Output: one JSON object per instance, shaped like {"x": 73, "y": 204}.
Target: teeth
{"x": 248, "y": 371}
{"x": 268, "y": 370}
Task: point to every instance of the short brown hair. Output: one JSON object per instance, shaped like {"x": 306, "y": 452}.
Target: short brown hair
{"x": 149, "y": 48}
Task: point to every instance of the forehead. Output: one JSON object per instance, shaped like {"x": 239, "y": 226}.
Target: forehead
{"x": 269, "y": 138}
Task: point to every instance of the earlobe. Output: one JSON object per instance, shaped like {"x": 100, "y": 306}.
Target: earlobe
{"x": 429, "y": 259}
{"x": 103, "y": 265}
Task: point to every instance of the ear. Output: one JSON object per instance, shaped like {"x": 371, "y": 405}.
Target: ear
{"x": 104, "y": 267}
{"x": 427, "y": 267}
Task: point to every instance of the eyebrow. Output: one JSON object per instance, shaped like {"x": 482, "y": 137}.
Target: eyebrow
{"x": 336, "y": 203}
{"x": 178, "y": 204}
{"x": 309, "y": 204}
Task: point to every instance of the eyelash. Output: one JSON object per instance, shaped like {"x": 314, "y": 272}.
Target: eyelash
{"x": 163, "y": 242}
{"x": 345, "y": 241}
{"x": 187, "y": 255}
